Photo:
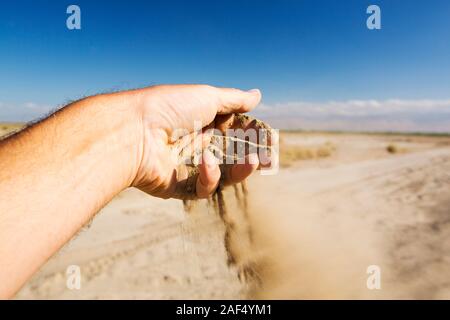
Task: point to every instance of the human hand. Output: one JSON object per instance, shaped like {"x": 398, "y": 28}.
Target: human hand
{"x": 87, "y": 152}
{"x": 164, "y": 110}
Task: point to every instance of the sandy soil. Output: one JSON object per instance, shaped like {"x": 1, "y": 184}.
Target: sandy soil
{"x": 316, "y": 227}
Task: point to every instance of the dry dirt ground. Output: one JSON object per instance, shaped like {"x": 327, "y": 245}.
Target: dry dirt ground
{"x": 317, "y": 226}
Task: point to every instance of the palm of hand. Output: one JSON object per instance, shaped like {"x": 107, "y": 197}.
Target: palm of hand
{"x": 166, "y": 169}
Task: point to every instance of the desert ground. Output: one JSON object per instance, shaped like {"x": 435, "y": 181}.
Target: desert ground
{"x": 340, "y": 203}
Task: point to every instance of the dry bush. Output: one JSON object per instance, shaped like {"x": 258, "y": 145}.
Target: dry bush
{"x": 7, "y": 128}
{"x": 289, "y": 154}
{"x": 392, "y": 148}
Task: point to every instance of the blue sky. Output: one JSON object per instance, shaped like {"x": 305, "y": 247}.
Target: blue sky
{"x": 294, "y": 51}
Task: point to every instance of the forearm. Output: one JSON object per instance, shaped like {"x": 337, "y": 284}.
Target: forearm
{"x": 57, "y": 174}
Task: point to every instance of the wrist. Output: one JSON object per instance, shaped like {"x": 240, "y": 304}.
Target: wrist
{"x": 119, "y": 125}
{"x": 145, "y": 104}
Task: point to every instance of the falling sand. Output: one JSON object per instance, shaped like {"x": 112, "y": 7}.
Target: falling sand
{"x": 238, "y": 232}
{"x": 280, "y": 263}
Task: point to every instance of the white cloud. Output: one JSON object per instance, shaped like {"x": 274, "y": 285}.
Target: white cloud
{"x": 22, "y": 111}
{"x": 40, "y": 108}
{"x": 428, "y": 115}
{"x": 355, "y": 108}
{"x": 372, "y": 115}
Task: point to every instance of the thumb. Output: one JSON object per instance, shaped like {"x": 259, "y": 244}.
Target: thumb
{"x": 234, "y": 100}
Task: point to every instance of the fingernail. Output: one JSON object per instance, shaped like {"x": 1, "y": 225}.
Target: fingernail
{"x": 254, "y": 91}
